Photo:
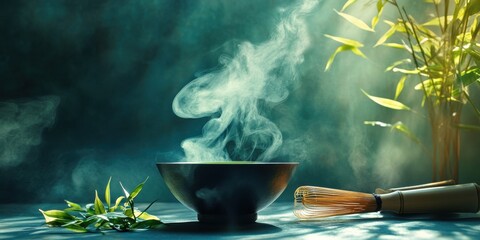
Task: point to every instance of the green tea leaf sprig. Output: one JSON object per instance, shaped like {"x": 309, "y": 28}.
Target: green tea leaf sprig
{"x": 98, "y": 216}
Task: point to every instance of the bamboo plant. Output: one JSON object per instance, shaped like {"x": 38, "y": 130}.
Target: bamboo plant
{"x": 443, "y": 57}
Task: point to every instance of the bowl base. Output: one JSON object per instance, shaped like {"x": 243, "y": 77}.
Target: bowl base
{"x": 227, "y": 219}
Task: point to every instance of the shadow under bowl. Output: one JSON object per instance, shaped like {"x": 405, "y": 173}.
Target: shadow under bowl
{"x": 226, "y": 192}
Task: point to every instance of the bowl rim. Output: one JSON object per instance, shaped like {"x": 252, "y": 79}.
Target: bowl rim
{"x": 227, "y": 163}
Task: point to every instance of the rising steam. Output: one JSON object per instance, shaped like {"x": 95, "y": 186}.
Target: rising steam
{"x": 21, "y": 127}
{"x": 234, "y": 95}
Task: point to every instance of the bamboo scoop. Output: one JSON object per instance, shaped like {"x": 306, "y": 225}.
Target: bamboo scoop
{"x": 426, "y": 185}
{"x": 316, "y": 202}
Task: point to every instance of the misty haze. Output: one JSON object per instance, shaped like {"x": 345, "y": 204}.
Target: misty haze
{"x": 97, "y": 88}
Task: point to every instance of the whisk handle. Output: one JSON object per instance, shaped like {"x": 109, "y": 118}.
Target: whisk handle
{"x": 444, "y": 199}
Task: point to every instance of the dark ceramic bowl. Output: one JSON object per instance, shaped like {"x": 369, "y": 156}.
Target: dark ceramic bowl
{"x": 226, "y": 192}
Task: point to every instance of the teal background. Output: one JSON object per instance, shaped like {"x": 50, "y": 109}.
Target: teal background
{"x": 86, "y": 89}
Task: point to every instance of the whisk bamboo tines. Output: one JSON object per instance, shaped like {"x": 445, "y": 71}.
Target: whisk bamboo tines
{"x": 316, "y": 202}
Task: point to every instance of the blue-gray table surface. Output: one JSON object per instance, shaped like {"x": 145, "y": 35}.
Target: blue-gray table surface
{"x": 24, "y": 221}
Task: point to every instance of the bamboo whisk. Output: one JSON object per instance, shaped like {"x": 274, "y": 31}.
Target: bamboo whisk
{"x": 317, "y": 202}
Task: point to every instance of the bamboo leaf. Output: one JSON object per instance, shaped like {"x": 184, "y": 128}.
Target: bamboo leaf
{"x": 474, "y": 28}
{"x": 95, "y": 214}
{"x": 137, "y": 190}
{"x": 397, "y": 63}
{"x": 53, "y": 216}
{"x": 357, "y": 51}
{"x": 402, "y": 128}
{"x": 474, "y": 52}
{"x": 145, "y": 215}
{"x": 355, "y": 21}
{"x": 127, "y": 194}
{"x": 398, "y": 126}
{"x": 117, "y": 203}
{"x": 388, "y": 103}
{"x": 102, "y": 217}
{"x": 128, "y": 212}
{"x": 386, "y": 35}
{"x": 473, "y": 7}
{"x": 345, "y": 41}
{"x": 470, "y": 76}
{"x": 348, "y": 45}
{"x": 99, "y": 207}
{"x": 347, "y": 4}
{"x": 147, "y": 224}
{"x": 73, "y": 206}
{"x": 380, "y": 5}
{"x": 332, "y": 57}
{"x": 406, "y": 71}
{"x": 107, "y": 193}
{"x": 400, "y": 85}
{"x": 394, "y": 45}
{"x": 75, "y": 228}
{"x": 437, "y": 22}
{"x": 437, "y": 82}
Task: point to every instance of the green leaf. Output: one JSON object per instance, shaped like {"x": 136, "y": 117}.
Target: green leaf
{"x": 59, "y": 214}
{"x": 428, "y": 84}
{"x": 474, "y": 52}
{"x": 397, "y": 63}
{"x": 127, "y": 194}
{"x": 52, "y": 216}
{"x": 345, "y": 41}
{"x": 386, "y": 35}
{"x": 99, "y": 207}
{"x": 406, "y": 71}
{"x": 437, "y": 22}
{"x": 332, "y": 57}
{"x": 357, "y": 51}
{"x": 117, "y": 203}
{"x": 75, "y": 226}
{"x": 95, "y": 214}
{"x": 388, "y": 103}
{"x": 73, "y": 206}
{"x": 102, "y": 217}
{"x": 347, "y": 4}
{"x": 470, "y": 76}
{"x": 107, "y": 193}
{"x": 147, "y": 224}
{"x": 474, "y": 28}
{"x": 380, "y": 5}
{"x": 473, "y": 7}
{"x": 343, "y": 48}
{"x": 355, "y": 21}
{"x": 128, "y": 212}
{"x": 137, "y": 190}
{"x": 90, "y": 208}
{"x": 402, "y": 128}
{"x": 400, "y": 85}
{"x": 394, "y": 45}
{"x": 144, "y": 215}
